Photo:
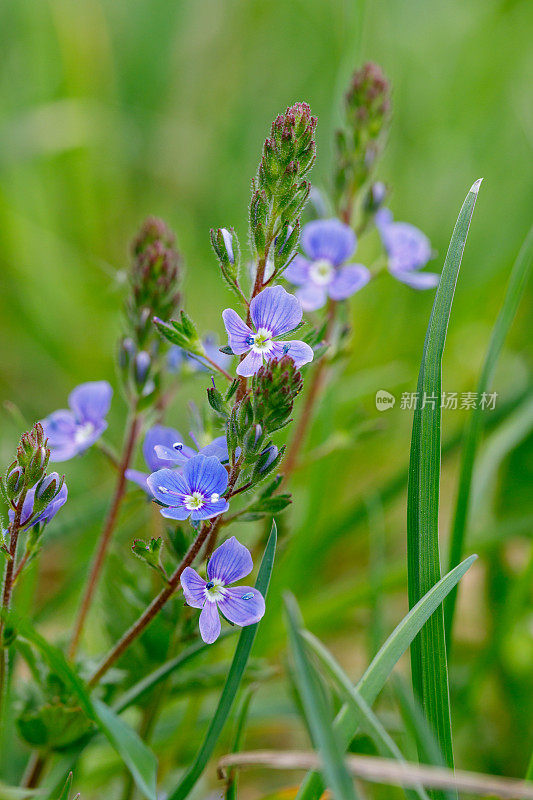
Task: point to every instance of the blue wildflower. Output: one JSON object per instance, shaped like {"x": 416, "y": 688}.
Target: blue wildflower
{"x": 328, "y": 243}
{"x": 51, "y": 509}
{"x": 274, "y": 312}
{"x": 242, "y": 605}
{"x": 72, "y": 431}
{"x": 164, "y": 447}
{"x": 195, "y": 491}
{"x": 408, "y": 250}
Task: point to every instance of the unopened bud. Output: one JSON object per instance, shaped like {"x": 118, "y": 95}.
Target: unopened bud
{"x": 14, "y": 482}
{"x": 141, "y": 367}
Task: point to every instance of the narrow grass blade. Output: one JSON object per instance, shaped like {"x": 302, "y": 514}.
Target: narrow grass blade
{"x": 366, "y": 718}
{"x": 376, "y": 675}
{"x": 428, "y": 651}
{"x": 242, "y": 717}
{"x": 65, "y": 794}
{"x": 240, "y": 659}
{"x": 515, "y": 288}
{"x": 311, "y": 692}
{"x": 138, "y": 758}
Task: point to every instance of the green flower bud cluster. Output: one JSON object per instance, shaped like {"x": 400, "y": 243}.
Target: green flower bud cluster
{"x": 275, "y": 386}
{"x": 280, "y": 189}
{"x": 359, "y": 144}
{"x": 27, "y": 471}
{"x": 154, "y": 280}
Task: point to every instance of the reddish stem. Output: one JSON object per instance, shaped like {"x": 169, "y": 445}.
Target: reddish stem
{"x": 106, "y": 535}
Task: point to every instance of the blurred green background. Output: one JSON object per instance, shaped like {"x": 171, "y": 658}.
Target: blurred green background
{"x": 112, "y": 110}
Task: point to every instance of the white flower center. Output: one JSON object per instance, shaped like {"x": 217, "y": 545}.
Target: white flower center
{"x": 194, "y": 501}
{"x": 83, "y": 433}
{"x": 262, "y": 341}
{"x": 322, "y": 271}
{"x": 214, "y": 590}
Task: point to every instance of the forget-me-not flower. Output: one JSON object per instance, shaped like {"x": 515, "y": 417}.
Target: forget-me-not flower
{"x": 328, "y": 244}
{"x": 194, "y": 491}
{"x": 51, "y": 509}
{"x": 242, "y": 605}
{"x": 178, "y": 358}
{"x": 274, "y": 312}
{"x": 73, "y": 430}
{"x": 408, "y": 251}
{"x": 164, "y": 447}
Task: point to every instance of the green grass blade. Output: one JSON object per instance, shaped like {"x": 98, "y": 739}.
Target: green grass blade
{"x": 240, "y": 659}
{"x": 242, "y": 717}
{"x": 137, "y": 757}
{"x": 515, "y": 288}
{"x": 325, "y": 739}
{"x": 376, "y": 675}
{"x": 428, "y": 651}
{"x": 366, "y": 718}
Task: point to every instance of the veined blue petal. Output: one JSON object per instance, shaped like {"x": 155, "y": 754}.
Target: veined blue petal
{"x": 276, "y": 310}
{"x": 330, "y": 239}
{"x": 230, "y": 562}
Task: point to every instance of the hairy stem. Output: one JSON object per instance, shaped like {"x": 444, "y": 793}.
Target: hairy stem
{"x": 106, "y": 535}
{"x": 14, "y": 531}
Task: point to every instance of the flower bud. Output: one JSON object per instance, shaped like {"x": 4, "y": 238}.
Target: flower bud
{"x": 14, "y": 482}
{"x": 275, "y": 387}
{"x": 141, "y": 368}
{"x": 126, "y": 352}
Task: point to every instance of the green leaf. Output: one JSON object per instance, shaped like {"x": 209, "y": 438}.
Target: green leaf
{"x": 236, "y": 672}
{"x": 366, "y": 718}
{"x": 376, "y": 675}
{"x": 136, "y": 755}
{"x": 428, "y": 651}
{"x": 242, "y": 717}
{"x": 325, "y": 738}
{"x": 513, "y": 294}
{"x": 138, "y": 758}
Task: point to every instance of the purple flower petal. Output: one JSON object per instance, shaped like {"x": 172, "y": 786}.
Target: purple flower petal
{"x": 276, "y": 310}
{"x": 168, "y": 486}
{"x": 300, "y": 352}
{"x": 138, "y": 477}
{"x": 159, "y": 435}
{"x": 242, "y": 605}
{"x": 230, "y": 562}
{"x": 298, "y": 271}
{"x": 383, "y": 218}
{"x": 348, "y": 280}
{"x": 329, "y": 239}
{"x": 193, "y": 588}
{"x": 60, "y": 429}
{"x": 238, "y": 333}
{"x": 209, "y": 623}
{"x": 175, "y": 512}
{"x": 205, "y": 474}
{"x": 408, "y": 248}
{"x": 250, "y": 364}
{"x": 210, "y": 509}
{"x": 53, "y": 507}
{"x": 312, "y": 296}
{"x": 90, "y": 401}
{"x": 417, "y": 280}
{"x": 170, "y": 456}
{"x": 217, "y": 448}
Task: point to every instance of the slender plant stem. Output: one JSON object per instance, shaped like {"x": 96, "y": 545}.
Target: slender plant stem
{"x": 315, "y": 386}
{"x": 14, "y": 531}
{"x": 215, "y": 366}
{"x": 34, "y": 770}
{"x": 107, "y": 532}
